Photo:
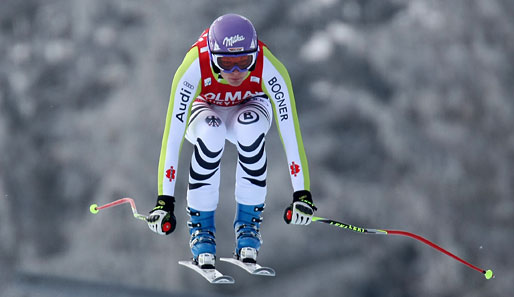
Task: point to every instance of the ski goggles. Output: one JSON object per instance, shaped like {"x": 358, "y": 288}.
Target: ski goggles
{"x": 229, "y": 63}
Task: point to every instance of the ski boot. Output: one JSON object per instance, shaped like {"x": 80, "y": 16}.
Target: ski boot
{"x": 246, "y": 227}
{"x": 202, "y": 243}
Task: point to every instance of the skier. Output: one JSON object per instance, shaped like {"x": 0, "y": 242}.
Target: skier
{"x": 224, "y": 90}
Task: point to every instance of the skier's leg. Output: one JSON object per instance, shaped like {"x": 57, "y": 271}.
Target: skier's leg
{"x": 249, "y": 128}
{"x": 207, "y": 132}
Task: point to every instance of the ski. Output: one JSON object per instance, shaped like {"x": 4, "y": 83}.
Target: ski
{"x": 252, "y": 268}
{"x": 212, "y": 275}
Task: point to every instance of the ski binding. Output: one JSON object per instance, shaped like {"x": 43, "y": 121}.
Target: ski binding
{"x": 212, "y": 275}
{"x": 252, "y": 268}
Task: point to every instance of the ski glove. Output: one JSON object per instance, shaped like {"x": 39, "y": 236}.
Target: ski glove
{"x": 301, "y": 210}
{"x": 161, "y": 219}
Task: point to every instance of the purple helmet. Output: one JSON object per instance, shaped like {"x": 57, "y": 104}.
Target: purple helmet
{"x": 232, "y": 34}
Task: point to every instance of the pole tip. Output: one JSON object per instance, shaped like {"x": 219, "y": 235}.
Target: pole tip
{"x": 93, "y": 209}
{"x": 489, "y": 274}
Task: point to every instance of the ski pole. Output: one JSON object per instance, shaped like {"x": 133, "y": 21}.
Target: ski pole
{"x": 488, "y": 274}
{"x": 94, "y": 209}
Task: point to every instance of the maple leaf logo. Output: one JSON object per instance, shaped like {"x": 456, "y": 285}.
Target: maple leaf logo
{"x": 295, "y": 169}
{"x": 170, "y": 174}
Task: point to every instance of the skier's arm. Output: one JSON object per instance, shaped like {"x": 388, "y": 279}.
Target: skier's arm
{"x": 277, "y": 85}
{"x": 184, "y": 89}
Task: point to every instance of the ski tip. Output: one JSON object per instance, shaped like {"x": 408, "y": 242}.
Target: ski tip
{"x": 222, "y": 280}
{"x": 488, "y": 274}
{"x": 93, "y": 208}
{"x": 264, "y": 271}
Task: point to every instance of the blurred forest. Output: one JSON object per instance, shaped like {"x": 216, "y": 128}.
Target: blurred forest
{"x": 407, "y": 115}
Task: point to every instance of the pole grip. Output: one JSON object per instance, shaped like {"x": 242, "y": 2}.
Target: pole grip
{"x": 166, "y": 226}
{"x": 288, "y": 215}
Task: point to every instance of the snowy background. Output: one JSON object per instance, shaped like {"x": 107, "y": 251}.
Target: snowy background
{"x": 407, "y": 114}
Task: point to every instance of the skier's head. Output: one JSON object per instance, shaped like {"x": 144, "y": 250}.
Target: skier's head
{"x": 232, "y": 43}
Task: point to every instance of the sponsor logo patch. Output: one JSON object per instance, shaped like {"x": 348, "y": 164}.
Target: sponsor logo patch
{"x": 229, "y": 41}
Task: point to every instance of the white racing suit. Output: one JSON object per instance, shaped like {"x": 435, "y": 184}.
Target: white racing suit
{"x": 206, "y": 111}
